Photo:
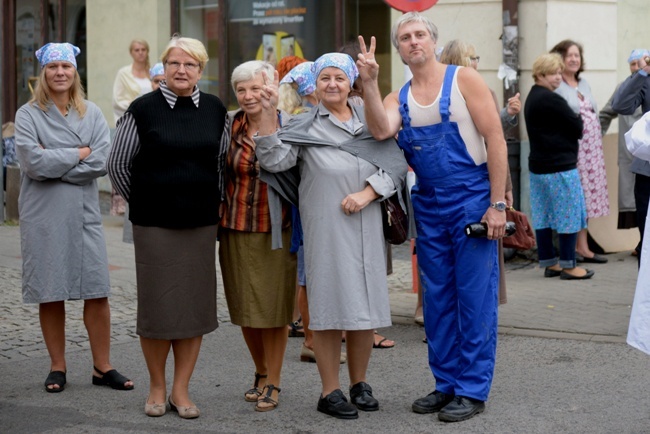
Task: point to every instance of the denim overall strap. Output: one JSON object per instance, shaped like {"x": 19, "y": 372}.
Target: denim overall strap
{"x": 445, "y": 98}
{"x": 404, "y": 109}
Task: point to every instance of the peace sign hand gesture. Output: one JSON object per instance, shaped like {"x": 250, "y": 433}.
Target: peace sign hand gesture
{"x": 366, "y": 63}
{"x": 269, "y": 94}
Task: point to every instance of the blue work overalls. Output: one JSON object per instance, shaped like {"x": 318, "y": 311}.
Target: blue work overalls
{"x": 459, "y": 275}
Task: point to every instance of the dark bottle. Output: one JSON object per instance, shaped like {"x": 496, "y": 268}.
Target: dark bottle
{"x": 479, "y": 230}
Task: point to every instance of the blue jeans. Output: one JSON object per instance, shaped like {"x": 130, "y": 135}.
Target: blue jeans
{"x": 546, "y": 252}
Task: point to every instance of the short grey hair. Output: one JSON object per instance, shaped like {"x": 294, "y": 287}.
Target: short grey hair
{"x": 249, "y": 70}
{"x": 413, "y": 17}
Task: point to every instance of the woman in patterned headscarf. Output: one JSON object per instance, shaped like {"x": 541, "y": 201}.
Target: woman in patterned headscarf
{"x": 344, "y": 174}
{"x": 62, "y": 143}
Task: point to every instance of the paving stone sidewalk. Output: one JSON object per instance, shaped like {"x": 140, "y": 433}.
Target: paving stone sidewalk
{"x": 596, "y": 309}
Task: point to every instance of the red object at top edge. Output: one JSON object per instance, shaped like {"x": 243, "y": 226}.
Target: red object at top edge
{"x": 411, "y": 5}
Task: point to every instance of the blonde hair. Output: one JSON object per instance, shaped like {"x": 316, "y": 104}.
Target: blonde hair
{"x": 456, "y": 52}
{"x": 288, "y": 98}
{"x": 191, "y": 46}
{"x": 413, "y": 17}
{"x": 547, "y": 63}
{"x": 76, "y": 93}
{"x": 146, "y": 45}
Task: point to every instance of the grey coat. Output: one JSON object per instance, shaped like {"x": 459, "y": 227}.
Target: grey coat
{"x": 62, "y": 239}
{"x": 385, "y": 155}
{"x": 633, "y": 93}
{"x": 626, "y": 202}
{"x": 345, "y": 262}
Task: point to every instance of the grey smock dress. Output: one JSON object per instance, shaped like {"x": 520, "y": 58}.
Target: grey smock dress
{"x": 62, "y": 239}
{"x": 344, "y": 255}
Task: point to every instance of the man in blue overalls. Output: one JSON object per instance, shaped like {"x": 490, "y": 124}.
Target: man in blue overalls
{"x": 451, "y": 136}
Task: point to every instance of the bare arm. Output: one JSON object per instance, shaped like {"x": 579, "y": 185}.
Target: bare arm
{"x": 480, "y": 104}
{"x": 383, "y": 120}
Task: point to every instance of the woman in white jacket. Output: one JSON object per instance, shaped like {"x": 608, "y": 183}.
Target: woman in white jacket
{"x": 637, "y": 140}
{"x": 131, "y": 81}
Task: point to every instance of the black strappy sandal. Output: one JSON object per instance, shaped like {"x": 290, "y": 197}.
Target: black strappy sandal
{"x": 111, "y": 378}
{"x": 253, "y": 394}
{"x": 55, "y": 378}
{"x": 267, "y": 399}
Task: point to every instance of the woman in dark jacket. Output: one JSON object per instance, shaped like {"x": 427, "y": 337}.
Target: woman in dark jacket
{"x": 167, "y": 162}
{"x": 556, "y": 194}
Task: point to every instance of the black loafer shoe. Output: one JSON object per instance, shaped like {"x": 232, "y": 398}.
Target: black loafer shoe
{"x": 596, "y": 259}
{"x": 431, "y": 403}
{"x": 567, "y": 276}
{"x": 361, "y": 397}
{"x": 461, "y": 408}
{"x": 335, "y": 404}
{"x": 549, "y": 272}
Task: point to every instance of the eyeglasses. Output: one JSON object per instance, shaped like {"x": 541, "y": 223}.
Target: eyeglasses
{"x": 475, "y": 59}
{"x": 187, "y": 66}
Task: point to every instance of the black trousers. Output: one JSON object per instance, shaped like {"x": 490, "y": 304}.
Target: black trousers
{"x": 641, "y": 197}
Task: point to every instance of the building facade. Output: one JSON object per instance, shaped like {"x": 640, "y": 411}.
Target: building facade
{"x": 235, "y": 31}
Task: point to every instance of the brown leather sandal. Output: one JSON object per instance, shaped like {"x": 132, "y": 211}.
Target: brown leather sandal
{"x": 267, "y": 399}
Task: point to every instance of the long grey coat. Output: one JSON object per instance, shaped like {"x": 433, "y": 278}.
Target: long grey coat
{"x": 344, "y": 255}
{"x": 62, "y": 240}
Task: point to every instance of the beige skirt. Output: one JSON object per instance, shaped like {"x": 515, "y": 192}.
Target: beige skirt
{"x": 260, "y": 283}
{"x": 177, "y": 284}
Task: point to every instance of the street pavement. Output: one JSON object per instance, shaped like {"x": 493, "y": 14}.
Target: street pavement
{"x": 562, "y": 362}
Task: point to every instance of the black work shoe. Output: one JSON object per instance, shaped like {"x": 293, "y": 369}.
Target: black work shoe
{"x": 431, "y": 403}
{"x": 549, "y": 272}
{"x": 361, "y": 396}
{"x": 461, "y": 408}
{"x": 335, "y": 404}
{"x": 567, "y": 276}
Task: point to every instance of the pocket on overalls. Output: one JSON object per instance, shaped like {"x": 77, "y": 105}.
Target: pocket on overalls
{"x": 432, "y": 156}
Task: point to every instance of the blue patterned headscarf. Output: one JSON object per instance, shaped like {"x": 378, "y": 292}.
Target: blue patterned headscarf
{"x": 55, "y": 52}
{"x": 157, "y": 69}
{"x": 637, "y": 54}
{"x": 338, "y": 60}
{"x": 302, "y": 76}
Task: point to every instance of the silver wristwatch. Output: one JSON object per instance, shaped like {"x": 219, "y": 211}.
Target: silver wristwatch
{"x": 499, "y": 206}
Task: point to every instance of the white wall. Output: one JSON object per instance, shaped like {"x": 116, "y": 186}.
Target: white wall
{"x": 112, "y": 24}
{"x": 608, "y": 31}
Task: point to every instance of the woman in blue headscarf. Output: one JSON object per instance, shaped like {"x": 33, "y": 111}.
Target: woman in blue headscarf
{"x": 344, "y": 174}
{"x": 62, "y": 143}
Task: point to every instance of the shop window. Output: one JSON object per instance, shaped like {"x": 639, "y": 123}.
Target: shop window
{"x": 28, "y": 36}
{"x": 200, "y": 19}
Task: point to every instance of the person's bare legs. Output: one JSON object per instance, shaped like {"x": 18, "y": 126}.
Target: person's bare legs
{"x": 186, "y": 352}
{"x": 582, "y": 245}
{"x": 296, "y": 309}
{"x": 327, "y": 347}
{"x": 52, "y": 318}
{"x": 155, "y": 353}
{"x": 303, "y": 307}
{"x": 274, "y": 341}
{"x": 255, "y": 344}
{"x": 359, "y": 347}
{"x": 97, "y": 319}
{"x": 419, "y": 314}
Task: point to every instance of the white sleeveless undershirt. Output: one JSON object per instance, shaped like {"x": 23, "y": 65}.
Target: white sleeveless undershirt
{"x": 430, "y": 114}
